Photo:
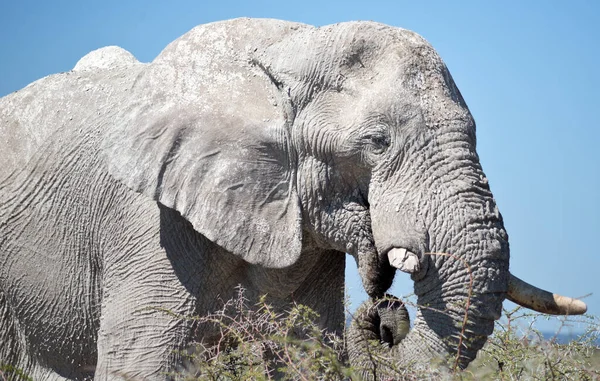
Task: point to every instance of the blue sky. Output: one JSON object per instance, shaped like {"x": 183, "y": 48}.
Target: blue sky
{"x": 528, "y": 71}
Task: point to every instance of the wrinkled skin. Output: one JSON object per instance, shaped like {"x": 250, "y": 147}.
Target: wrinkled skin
{"x": 252, "y": 152}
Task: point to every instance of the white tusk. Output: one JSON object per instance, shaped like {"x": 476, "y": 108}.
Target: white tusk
{"x": 404, "y": 260}
{"x": 539, "y": 300}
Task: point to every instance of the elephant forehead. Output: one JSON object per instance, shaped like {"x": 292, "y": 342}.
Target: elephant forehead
{"x": 331, "y": 53}
{"x": 418, "y": 80}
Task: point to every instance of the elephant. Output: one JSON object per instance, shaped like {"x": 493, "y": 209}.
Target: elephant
{"x": 250, "y": 152}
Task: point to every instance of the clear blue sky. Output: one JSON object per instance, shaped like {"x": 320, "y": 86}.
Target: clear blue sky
{"x": 529, "y": 73}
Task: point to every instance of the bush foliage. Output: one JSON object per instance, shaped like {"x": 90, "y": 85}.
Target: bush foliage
{"x": 260, "y": 344}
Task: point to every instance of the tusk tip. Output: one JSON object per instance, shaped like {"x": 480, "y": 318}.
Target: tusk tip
{"x": 570, "y": 306}
{"x": 542, "y": 301}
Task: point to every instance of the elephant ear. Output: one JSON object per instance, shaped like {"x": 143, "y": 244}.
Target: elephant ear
{"x": 209, "y": 137}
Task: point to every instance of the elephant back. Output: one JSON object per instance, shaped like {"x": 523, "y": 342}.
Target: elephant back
{"x": 51, "y": 109}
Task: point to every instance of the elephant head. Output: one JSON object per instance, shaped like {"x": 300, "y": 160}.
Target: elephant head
{"x": 352, "y": 137}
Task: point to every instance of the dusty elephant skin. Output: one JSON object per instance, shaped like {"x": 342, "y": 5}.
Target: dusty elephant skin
{"x": 252, "y": 152}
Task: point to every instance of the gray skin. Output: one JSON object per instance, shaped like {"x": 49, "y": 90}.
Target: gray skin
{"x": 252, "y": 152}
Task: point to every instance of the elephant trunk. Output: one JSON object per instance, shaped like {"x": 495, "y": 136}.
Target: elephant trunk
{"x": 461, "y": 278}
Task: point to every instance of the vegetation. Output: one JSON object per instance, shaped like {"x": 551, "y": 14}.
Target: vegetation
{"x": 517, "y": 351}
{"x": 260, "y": 344}
{"x": 9, "y": 372}
{"x": 257, "y": 343}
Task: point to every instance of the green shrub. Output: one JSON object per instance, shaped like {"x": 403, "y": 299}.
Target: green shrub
{"x": 9, "y": 372}
{"x": 518, "y": 351}
{"x": 257, "y": 343}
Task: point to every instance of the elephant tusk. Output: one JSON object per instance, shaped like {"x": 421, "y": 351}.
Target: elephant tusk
{"x": 531, "y": 297}
{"x": 404, "y": 260}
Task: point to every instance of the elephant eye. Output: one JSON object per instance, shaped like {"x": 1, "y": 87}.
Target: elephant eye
{"x": 378, "y": 140}
{"x": 380, "y": 143}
